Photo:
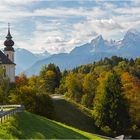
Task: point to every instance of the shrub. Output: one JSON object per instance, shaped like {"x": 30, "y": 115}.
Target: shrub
{"x": 34, "y": 102}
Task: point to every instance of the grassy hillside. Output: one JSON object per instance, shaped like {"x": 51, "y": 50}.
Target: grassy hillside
{"x": 27, "y": 126}
{"x": 68, "y": 113}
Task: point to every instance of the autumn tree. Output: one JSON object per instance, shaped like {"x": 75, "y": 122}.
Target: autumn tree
{"x": 21, "y": 80}
{"x": 50, "y": 77}
{"x": 53, "y": 68}
{"x": 131, "y": 89}
{"x": 50, "y": 81}
{"x": 110, "y": 108}
{"x": 34, "y": 100}
{"x": 25, "y": 95}
{"x": 74, "y": 86}
{"x": 89, "y": 89}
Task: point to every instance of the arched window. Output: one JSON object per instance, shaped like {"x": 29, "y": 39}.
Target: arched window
{"x": 8, "y": 55}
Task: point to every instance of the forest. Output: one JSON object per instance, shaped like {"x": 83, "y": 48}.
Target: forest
{"x": 110, "y": 88}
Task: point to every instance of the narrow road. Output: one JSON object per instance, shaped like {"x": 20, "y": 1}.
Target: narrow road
{"x": 56, "y": 96}
{"x": 69, "y": 114}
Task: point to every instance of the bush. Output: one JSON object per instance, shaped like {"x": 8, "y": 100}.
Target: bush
{"x": 34, "y": 102}
{"x": 44, "y": 105}
{"x": 25, "y": 95}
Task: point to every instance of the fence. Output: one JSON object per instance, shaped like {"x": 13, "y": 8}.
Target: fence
{"x": 5, "y": 114}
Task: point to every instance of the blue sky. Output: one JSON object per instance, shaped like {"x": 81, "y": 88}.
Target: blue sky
{"x": 60, "y": 25}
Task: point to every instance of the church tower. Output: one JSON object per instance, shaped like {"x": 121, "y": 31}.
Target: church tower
{"x": 9, "y": 43}
{"x": 7, "y": 57}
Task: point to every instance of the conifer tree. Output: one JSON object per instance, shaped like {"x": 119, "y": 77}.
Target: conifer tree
{"x": 110, "y": 108}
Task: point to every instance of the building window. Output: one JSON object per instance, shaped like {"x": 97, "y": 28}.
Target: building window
{"x": 7, "y": 55}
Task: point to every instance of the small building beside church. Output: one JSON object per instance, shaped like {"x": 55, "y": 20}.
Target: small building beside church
{"x": 7, "y": 57}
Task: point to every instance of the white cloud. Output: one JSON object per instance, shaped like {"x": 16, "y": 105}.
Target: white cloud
{"x": 68, "y": 12}
{"x": 91, "y": 28}
{"x": 17, "y": 2}
{"x": 55, "y": 30}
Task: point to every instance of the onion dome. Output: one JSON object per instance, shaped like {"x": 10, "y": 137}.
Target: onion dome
{"x": 9, "y": 43}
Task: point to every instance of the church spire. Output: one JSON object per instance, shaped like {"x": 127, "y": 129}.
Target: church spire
{"x": 9, "y": 37}
{"x": 9, "y": 42}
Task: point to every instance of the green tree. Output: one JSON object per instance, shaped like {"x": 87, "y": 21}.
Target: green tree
{"x": 25, "y": 95}
{"x": 50, "y": 81}
{"x": 62, "y": 87}
{"x": 50, "y": 75}
{"x": 44, "y": 105}
{"x": 110, "y": 107}
{"x": 35, "y": 100}
{"x": 74, "y": 86}
{"x": 89, "y": 89}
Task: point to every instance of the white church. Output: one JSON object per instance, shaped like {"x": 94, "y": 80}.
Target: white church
{"x": 7, "y": 57}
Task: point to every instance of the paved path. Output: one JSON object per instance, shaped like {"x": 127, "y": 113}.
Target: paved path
{"x": 56, "y": 96}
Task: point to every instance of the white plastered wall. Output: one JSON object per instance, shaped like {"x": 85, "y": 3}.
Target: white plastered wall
{"x": 10, "y": 55}
{"x": 10, "y": 72}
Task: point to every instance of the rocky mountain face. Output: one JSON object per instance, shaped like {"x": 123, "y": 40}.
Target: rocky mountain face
{"x": 98, "y": 48}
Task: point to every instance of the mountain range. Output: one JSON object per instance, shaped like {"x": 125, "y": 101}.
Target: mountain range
{"x": 25, "y": 59}
{"x": 98, "y": 48}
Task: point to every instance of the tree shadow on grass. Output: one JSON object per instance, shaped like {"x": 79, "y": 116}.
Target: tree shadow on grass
{"x": 33, "y": 126}
{"x": 69, "y": 114}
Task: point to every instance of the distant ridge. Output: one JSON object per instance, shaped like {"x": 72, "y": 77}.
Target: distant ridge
{"x": 98, "y": 48}
{"x": 25, "y": 59}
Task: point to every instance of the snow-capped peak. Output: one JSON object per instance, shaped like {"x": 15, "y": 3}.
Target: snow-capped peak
{"x": 131, "y": 36}
{"x": 98, "y": 39}
{"x": 133, "y": 31}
